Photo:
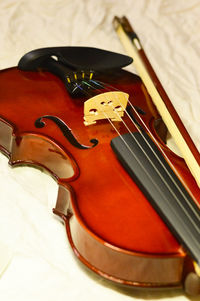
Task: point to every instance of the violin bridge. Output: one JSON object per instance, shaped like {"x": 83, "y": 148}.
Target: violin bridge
{"x": 108, "y": 105}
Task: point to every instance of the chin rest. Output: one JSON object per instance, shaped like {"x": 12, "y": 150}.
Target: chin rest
{"x": 74, "y": 58}
{"x": 70, "y": 63}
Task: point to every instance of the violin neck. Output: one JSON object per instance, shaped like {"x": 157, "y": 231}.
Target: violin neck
{"x": 164, "y": 106}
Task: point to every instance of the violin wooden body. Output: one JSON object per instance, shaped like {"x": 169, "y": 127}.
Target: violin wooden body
{"x": 110, "y": 224}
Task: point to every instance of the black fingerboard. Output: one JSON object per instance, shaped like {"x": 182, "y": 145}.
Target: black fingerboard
{"x": 148, "y": 168}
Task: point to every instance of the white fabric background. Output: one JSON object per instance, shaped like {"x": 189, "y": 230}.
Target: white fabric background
{"x": 42, "y": 266}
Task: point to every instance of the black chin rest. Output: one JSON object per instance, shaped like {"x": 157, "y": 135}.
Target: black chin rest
{"x": 74, "y": 58}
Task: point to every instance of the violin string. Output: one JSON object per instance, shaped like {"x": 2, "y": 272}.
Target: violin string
{"x": 146, "y": 141}
{"x": 155, "y": 168}
{"x": 145, "y": 154}
{"x": 158, "y": 188}
{"x": 157, "y": 144}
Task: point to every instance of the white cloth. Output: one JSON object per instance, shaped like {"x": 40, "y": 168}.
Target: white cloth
{"x": 42, "y": 265}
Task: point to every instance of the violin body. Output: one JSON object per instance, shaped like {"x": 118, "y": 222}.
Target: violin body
{"x": 110, "y": 224}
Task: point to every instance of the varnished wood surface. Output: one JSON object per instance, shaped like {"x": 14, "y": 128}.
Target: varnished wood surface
{"x": 105, "y": 201}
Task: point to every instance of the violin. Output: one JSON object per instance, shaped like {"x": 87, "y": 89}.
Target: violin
{"x": 93, "y": 127}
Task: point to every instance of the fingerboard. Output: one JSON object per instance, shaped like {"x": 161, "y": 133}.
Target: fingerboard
{"x": 162, "y": 188}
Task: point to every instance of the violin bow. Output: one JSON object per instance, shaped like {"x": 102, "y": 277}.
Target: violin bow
{"x": 160, "y": 98}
